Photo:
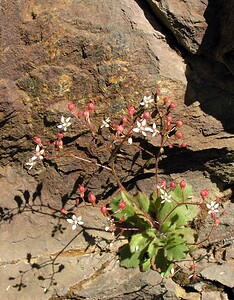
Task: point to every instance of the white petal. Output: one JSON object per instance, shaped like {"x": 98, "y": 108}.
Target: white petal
{"x": 74, "y": 226}
{"x": 136, "y": 130}
{"x": 37, "y": 148}
{"x": 68, "y": 119}
{"x": 60, "y": 126}
{"x": 143, "y": 123}
{"x": 80, "y": 222}
{"x": 70, "y": 221}
{"x": 62, "y": 119}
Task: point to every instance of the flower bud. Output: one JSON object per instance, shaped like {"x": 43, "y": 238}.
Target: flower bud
{"x": 92, "y": 198}
{"x": 183, "y": 184}
{"x": 179, "y": 135}
{"x": 217, "y": 222}
{"x": 131, "y": 110}
{"x": 122, "y": 205}
{"x": 124, "y": 120}
{"x": 169, "y": 118}
{"x": 79, "y": 114}
{"x": 179, "y": 123}
{"x": 70, "y": 106}
{"x": 60, "y": 135}
{"x": 204, "y": 193}
{"x": 164, "y": 184}
{"x": 120, "y": 129}
{"x": 165, "y": 100}
{"x": 86, "y": 114}
{"x": 173, "y": 105}
{"x": 81, "y": 189}
{"x": 183, "y": 145}
{"x": 103, "y": 209}
{"x": 172, "y": 185}
{"x": 91, "y": 106}
{"x": 146, "y": 115}
{"x": 37, "y": 140}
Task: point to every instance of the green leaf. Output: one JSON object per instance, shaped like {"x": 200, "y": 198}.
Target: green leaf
{"x": 168, "y": 272}
{"x": 180, "y": 195}
{"x": 139, "y": 242}
{"x": 143, "y": 200}
{"x": 128, "y": 259}
{"x": 175, "y": 249}
{"x": 128, "y": 211}
{"x": 154, "y": 247}
{"x": 146, "y": 265}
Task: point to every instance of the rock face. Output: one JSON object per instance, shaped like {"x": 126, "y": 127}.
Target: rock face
{"x": 57, "y": 52}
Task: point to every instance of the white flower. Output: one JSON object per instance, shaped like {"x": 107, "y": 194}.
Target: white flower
{"x": 130, "y": 140}
{"x": 141, "y": 127}
{"x": 65, "y": 123}
{"x": 38, "y": 155}
{"x": 155, "y": 130}
{"x": 31, "y": 163}
{"x": 146, "y": 101}
{"x": 75, "y": 221}
{"x": 164, "y": 196}
{"x": 213, "y": 207}
{"x": 105, "y": 123}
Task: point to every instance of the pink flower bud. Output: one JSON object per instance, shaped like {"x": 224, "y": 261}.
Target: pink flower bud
{"x": 124, "y": 120}
{"x": 103, "y": 209}
{"x": 81, "y": 189}
{"x": 131, "y": 110}
{"x": 91, "y": 106}
{"x": 70, "y": 106}
{"x": 213, "y": 214}
{"x": 179, "y": 123}
{"x": 48, "y": 143}
{"x": 60, "y": 135}
{"x": 217, "y": 222}
{"x": 172, "y": 185}
{"x": 165, "y": 100}
{"x": 183, "y": 145}
{"x": 37, "y": 140}
{"x": 169, "y": 118}
{"x": 146, "y": 115}
{"x": 173, "y": 105}
{"x": 182, "y": 184}
{"x": 86, "y": 114}
{"x": 168, "y": 125}
{"x": 204, "y": 193}
{"x": 157, "y": 92}
{"x": 79, "y": 114}
{"x": 63, "y": 211}
{"x": 122, "y": 205}
{"x": 122, "y": 219}
{"x": 218, "y": 199}
{"x": 179, "y": 135}
{"x": 120, "y": 129}
{"x": 92, "y": 198}
{"x": 164, "y": 184}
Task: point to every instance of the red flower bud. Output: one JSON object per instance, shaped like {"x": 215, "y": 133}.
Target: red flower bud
{"x": 131, "y": 110}
{"x": 124, "y": 120}
{"x": 37, "y": 140}
{"x": 92, "y": 198}
{"x": 173, "y": 105}
{"x": 217, "y": 222}
{"x": 172, "y": 185}
{"x": 86, "y": 114}
{"x": 91, "y": 106}
{"x": 184, "y": 145}
{"x": 146, "y": 115}
{"x": 182, "y": 184}
{"x": 204, "y": 193}
{"x": 164, "y": 184}
{"x": 169, "y": 118}
{"x": 122, "y": 205}
{"x": 120, "y": 129}
{"x": 81, "y": 189}
{"x": 103, "y": 209}
{"x": 179, "y": 135}
{"x": 79, "y": 114}
{"x": 63, "y": 211}
{"x": 70, "y": 106}
{"x": 60, "y": 135}
{"x": 179, "y": 123}
{"x": 165, "y": 100}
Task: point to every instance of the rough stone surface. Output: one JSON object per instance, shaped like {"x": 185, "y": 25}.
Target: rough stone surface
{"x": 112, "y": 52}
